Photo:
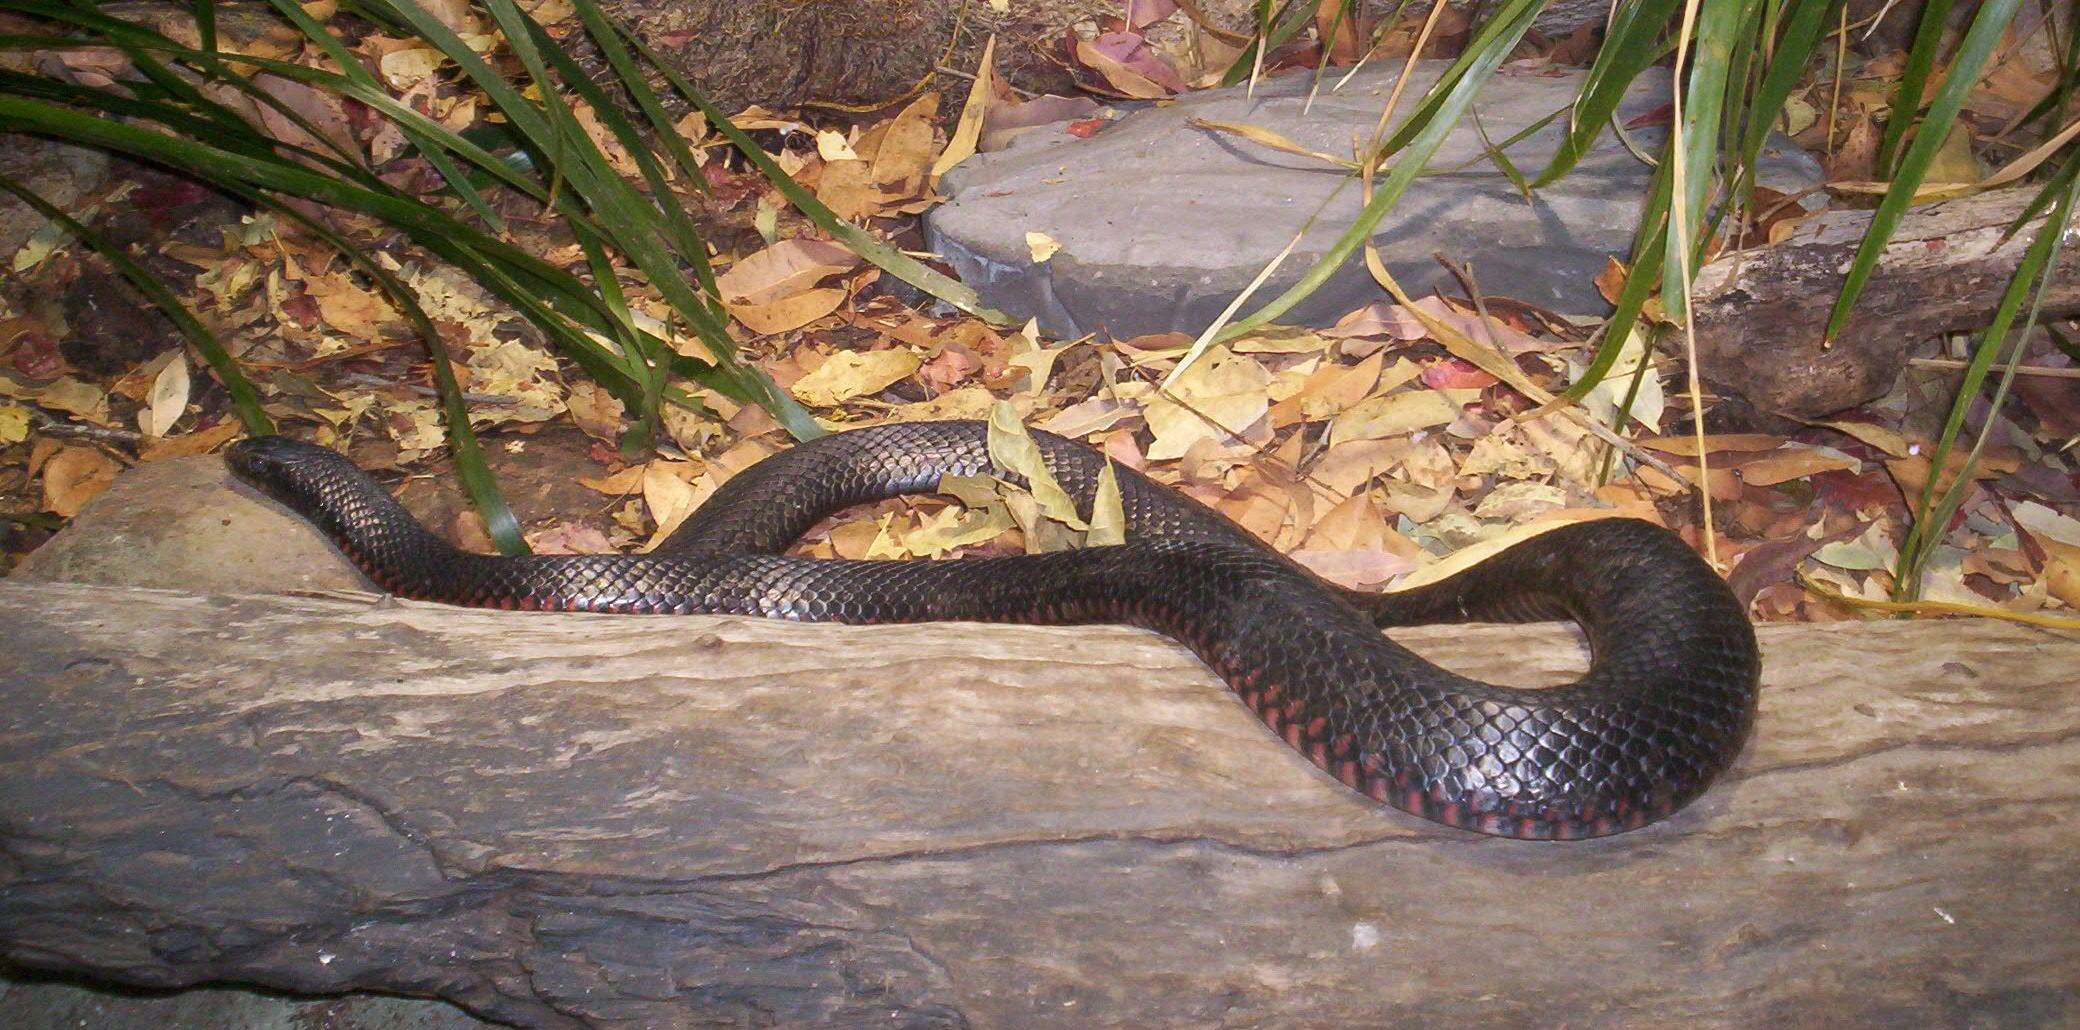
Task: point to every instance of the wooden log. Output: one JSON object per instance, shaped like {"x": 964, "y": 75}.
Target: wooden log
{"x": 1760, "y": 313}
{"x": 587, "y": 820}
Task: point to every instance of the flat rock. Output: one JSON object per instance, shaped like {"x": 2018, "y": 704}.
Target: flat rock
{"x": 185, "y": 522}
{"x": 1162, "y": 223}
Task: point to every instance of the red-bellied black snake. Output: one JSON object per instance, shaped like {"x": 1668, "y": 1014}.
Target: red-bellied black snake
{"x": 1665, "y": 706}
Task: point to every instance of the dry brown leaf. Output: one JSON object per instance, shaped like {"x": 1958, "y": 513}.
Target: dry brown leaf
{"x": 787, "y": 313}
{"x": 76, "y": 396}
{"x": 1887, "y": 440}
{"x": 620, "y": 484}
{"x": 1686, "y": 446}
{"x": 1793, "y": 462}
{"x": 347, "y": 307}
{"x": 1911, "y": 473}
{"x": 596, "y": 411}
{"x": 908, "y": 145}
{"x": 671, "y": 494}
{"x": 201, "y": 441}
{"x": 1126, "y": 80}
{"x": 847, "y": 188}
{"x": 73, "y": 476}
{"x": 1345, "y": 468}
{"x": 848, "y": 374}
{"x": 787, "y": 267}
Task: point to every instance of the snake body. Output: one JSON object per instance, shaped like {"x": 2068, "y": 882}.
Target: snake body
{"x": 1666, "y": 704}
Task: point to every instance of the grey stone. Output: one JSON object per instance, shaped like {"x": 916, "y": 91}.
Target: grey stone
{"x": 185, "y": 522}
{"x": 1162, "y": 223}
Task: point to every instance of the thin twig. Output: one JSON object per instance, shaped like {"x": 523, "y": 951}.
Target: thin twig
{"x": 1952, "y": 364}
{"x": 378, "y": 383}
{"x": 51, "y": 425}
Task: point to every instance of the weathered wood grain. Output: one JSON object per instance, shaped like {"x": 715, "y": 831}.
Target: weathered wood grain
{"x": 557, "y": 819}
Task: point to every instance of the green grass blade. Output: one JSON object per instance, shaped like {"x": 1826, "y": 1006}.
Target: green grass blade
{"x": 1651, "y": 241}
{"x": 1631, "y": 46}
{"x": 633, "y": 79}
{"x": 1972, "y": 54}
{"x": 1272, "y": 33}
{"x": 2032, "y": 277}
{"x": 244, "y": 399}
{"x": 1718, "y": 29}
{"x": 477, "y": 479}
{"x": 1913, "y": 82}
{"x": 350, "y": 67}
{"x": 1451, "y": 96}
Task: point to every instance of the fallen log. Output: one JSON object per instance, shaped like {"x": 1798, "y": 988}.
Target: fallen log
{"x": 1760, "y": 313}
{"x": 587, "y": 820}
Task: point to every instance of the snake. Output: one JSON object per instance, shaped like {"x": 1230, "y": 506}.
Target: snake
{"x": 1666, "y": 704}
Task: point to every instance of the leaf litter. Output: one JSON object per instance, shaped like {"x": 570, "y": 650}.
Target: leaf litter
{"x": 1372, "y": 451}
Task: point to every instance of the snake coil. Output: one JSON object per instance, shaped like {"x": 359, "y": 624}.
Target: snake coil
{"x": 1665, "y": 706}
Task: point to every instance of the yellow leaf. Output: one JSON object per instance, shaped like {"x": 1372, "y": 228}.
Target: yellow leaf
{"x": 1394, "y": 414}
{"x": 1954, "y": 161}
{"x": 1108, "y": 512}
{"x": 1041, "y": 245}
{"x": 14, "y": 423}
{"x": 849, "y": 374}
{"x": 968, "y": 130}
{"x": 407, "y": 68}
{"x": 952, "y": 528}
{"x": 832, "y": 146}
{"x": 1220, "y": 395}
{"x": 1012, "y": 450}
{"x": 669, "y": 492}
{"x": 1267, "y": 138}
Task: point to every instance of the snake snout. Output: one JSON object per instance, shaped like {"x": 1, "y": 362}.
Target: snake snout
{"x": 275, "y": 464}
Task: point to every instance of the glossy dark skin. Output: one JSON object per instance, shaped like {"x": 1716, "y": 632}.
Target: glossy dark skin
{"x": 1666, "y": 705}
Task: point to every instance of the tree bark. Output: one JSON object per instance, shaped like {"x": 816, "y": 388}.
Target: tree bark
{"x": 1760, "y": 313}
{"x": 583, "y": 820}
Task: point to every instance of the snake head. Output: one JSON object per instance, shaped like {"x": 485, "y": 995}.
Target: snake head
{"x": 290, "y": 471}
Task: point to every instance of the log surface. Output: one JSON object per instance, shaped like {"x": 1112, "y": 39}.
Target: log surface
{"x": 567, "y": 819}
{"x": 1760, "y": 313}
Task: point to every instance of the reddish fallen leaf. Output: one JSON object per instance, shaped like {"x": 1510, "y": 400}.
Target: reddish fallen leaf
{"x": 36, "y": 357}
{"x": 1455, "y": 374}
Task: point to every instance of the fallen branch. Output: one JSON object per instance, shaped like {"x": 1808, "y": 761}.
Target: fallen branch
{"x": 572, "y": 820}
{"x": 1760, "y": 312}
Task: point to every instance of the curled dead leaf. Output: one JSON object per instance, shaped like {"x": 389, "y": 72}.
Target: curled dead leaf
{"x": 73, "y": 476}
